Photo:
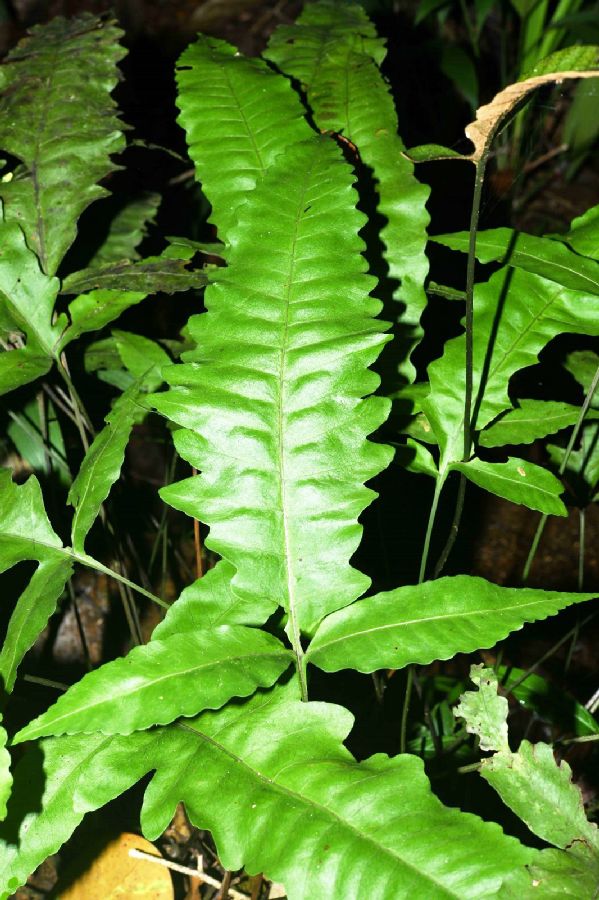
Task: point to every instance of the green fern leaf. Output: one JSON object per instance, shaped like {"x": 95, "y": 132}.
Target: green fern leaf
{"x": 26, "y": 534}
{"x": 208, "y": 603}
{"x": 102, "y": 464}
{"x": 27, "y": 298}
{"x": 334, "y": 53}
{"x": 354, "y": 829}
{"x": 147, "y": 276}
{"x": 556, "y": 875}
{"x": 517, "y": 480}
{"x": 539, "y": 255}
{"x": 57, "y": 117}
{"x": 531, "y": 420}
{"x": 254, "y": 116}
{"x": 92, "y": 311}
{"x": 160, "y": 681}
{"x": 270, "y": 402}
{"x": 424, "y": 622}
{"x": 44, "y": 809}
{"x": 127, "y": 230}
{"x": 5, "y": 773}
{"x": 515, "y": 315}
{"x": 583, "y": 235}
{"x": 529, "y": 781}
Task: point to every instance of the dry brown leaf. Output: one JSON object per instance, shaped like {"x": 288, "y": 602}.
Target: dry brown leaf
{"x": 583, "y": 64}
{"x": 114, "y": 875}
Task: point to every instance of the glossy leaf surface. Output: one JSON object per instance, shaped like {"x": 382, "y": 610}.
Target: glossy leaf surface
{"x": 271, "y": 401}
{"x": 26, "y": 534}
{"x": 254, "y": 116}
{"x": 508, "y": 336}
{"x": 333, "y": 52}
{"x": 583, "y": 235}
{"x": 160, "y": 681}
{"x": 209, "y": 602}
{"x": 43, "y": 810}
{"x": 57, "y": 116}
{"x": 531, "y": 420}
{"x": 517, "y": 480}
{"x": 5, "y": 773}
{"x": 434, "y": 620}
{"x": 539, "y": 255}
{"x": 275, "y": 760}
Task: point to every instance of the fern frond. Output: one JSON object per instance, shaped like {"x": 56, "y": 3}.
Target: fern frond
{"x": 304, "y": 812}
{"x": 334, "y": 53}
{"x": 254, "y": 116}
{"x": 58, "y": 118}
{"x": 271, "y": 400}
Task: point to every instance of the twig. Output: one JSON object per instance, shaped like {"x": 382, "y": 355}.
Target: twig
{"x": 593, "y": 703}
{"x": 185, "y": 870}
{"x": 45, "y": 682}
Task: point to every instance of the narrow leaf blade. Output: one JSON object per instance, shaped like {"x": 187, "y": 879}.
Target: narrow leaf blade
{"x": 533, "y": 419}
{"x": 147, "y": 276}
{"x": 333, "y": 51}
{"x": 102, "y": 465}
{"x": 160, "y": 681}
{"x": 539, "y": 255}
{"x": 519, "y": 481}
{"x": 254, "y": 116}
{"x": 434, "y": 620}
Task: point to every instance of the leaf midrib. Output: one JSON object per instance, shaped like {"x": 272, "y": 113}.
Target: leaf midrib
{"x": 303, "y": 799}
{"x": 149, "y": 685}
{"x": 528, "y": 254}
{"x": 494, "y": 611}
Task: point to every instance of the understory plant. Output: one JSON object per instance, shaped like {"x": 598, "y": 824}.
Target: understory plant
{"x": 278, "y": 398}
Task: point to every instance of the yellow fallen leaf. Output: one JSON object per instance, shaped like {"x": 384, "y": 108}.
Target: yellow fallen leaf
{"x": 114, "y": 874}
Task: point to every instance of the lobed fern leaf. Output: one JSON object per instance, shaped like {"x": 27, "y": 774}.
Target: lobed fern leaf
{"x": 333, "y": 52}
{"x": 27, "y": 298}
{"x": 26, "y": 534}
{"x": 355, "y": 829}
{"x": 44, "y": 809}
{"x": 270, "y": 402}
{"x": 254, "y": 116}
{"x": 57, "y": 117}
{"x": 508, "y": 335}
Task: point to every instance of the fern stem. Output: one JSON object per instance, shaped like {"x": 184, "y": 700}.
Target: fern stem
{"x": 455, "y": 526}
{"x": 563, "y": 465}
{"x": 479, "y": 179}
{"x": 429, "y": 528}
{"x": 406, "y": 708}
{"x": 474, "y": 217}
{"x": 92, "y": 563}
{"x": 81, "y": 417}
